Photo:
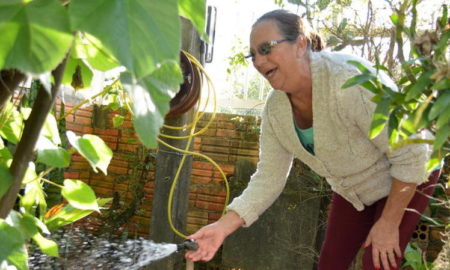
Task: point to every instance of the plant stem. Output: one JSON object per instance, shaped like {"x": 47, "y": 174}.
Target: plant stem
{"x": 24, "y": 152}
{"x": 52, "y": 183}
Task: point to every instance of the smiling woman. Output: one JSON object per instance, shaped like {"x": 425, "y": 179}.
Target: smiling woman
{"x": 308, "y": 116}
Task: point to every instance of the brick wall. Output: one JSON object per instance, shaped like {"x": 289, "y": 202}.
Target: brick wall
{"x": 228, "y": 138}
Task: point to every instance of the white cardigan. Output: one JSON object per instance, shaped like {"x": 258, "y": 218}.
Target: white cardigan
{"x": 359, "y": 169}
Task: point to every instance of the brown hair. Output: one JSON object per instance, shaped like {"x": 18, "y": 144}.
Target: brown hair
{"x": 291, "y": 26}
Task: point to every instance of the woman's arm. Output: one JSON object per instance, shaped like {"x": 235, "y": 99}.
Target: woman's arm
{"x": 384, "y": 235}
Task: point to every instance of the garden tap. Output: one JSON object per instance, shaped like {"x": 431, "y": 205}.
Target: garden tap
{"x": 188, "y": 244}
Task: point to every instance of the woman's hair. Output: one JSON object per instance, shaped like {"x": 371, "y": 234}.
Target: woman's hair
{"x": 291, "y": 26}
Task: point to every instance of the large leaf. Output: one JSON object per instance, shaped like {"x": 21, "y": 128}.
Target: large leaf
{"x": 69, "y": 214}
{"x": 35, "y": 36}
{"x": 441, "y": 104}
{"x": 442, "y": 136}
{"x": 89, "y": 48}
{"x": 92, "y": 148}
{"x": 50, "y": 130}
{"x": 194, "y": 10}
{"x": 380, "y": 117}
{"x": 19, "y": 258}
{"x": 420, "y": 85}
{"x": 25, "y": 223}
{"x": 77, "y": 73}
{"x": 34, "y": 195}
{"x": 141, "y": 34}
{"x": 11, "y": 239}
{"x": 151, "y": 96}
{"x": 52, "y": 155}
{"x": 47, "y": 246}
{"x": 358, "y": 79}
{"x": 12, "y": 129}
{"x": 79, "y": 195}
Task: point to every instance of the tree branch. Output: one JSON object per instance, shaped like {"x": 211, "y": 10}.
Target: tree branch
{"x": 24, "y": 152}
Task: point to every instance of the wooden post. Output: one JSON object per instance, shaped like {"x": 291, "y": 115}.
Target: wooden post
{"x": 166, "y": 166}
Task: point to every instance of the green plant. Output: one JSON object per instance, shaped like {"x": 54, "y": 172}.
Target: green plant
{"x": 423, "y": 99}
{"x": 414, "y": 257}
{"x": 62, "y": 42}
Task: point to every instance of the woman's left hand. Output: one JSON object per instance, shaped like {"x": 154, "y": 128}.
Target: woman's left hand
{"x": 384, "y": 238}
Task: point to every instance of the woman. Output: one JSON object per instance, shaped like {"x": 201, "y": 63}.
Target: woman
{"x": 310, "y": 117}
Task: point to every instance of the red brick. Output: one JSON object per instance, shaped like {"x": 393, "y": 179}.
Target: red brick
{"x": 215, "y": 149}
{"x": 75, "y": 128}
{"x": 112, "y": 132}
{"x": 117, "y": 170}
{"x": 83, "y": 120}
{"x": 202, "y": 165}
{"x": 69, "y": 118}
{"x": 211, "y": 198}
{"x": 76, "y": 165}
{"x": 198, "y": 172}
{"x": 214, "y": 216}
{"x": 126, "y": 147}
{"x": 84, "y": 113}
{"x": 119, "y": 163}
{"x": 201, "y": 180}
{"x": 194, "y": 220}
{"x": 227, "y": 133}
{"x": 209, "y": 206}
{"x": 87, "y": 130}
{"x": 71, "y": 175}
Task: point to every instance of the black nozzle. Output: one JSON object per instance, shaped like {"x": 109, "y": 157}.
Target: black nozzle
{"x": 188, "y": 244}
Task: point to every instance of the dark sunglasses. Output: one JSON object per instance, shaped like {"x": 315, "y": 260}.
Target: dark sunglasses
{"x": 266, "y": 47}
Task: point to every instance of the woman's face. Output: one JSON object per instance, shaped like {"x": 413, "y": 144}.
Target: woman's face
{"x": 281, "y": 65}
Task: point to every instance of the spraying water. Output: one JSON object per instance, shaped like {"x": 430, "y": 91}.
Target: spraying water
{"x": 80, "y": 250}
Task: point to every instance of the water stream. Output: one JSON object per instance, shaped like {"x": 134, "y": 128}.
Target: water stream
{"x": 79, "y": 250}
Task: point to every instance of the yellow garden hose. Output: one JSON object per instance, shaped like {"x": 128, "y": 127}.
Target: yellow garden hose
{"x": 192, "y": 134}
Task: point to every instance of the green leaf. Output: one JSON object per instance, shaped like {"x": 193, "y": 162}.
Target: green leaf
{"x": 442, "y": 102}
{"x": 47, "y": 246}
{"x": 444, "y": 118}
{"x": 93, "y": 149}
{"x": 420, "y": 85}
{"x": 442, "y": 84}
{"x": 52, "y": 155}
{"x": 394, "y": 18}
{"x": 434, "y": 161}
{"x": 443, "y": 21}
{"x": 68, "y": 214}
{"x": 442, "y": 136}
{"x": 58, "y": 157}
{"x": 50, "y": 130}
{"x": 380, "y": 117}
{"x": 118, "y": 120}
{"x": 393, "y": 128}
{"x": 25, "y": 223}
{"x": 79, "y": 195}
{"x": 141, "y": 34}
{"x": 358, "y": 79}
{"x": 94, "y": 52}
{"x": 35, "y": 35}
{"x": 194, "y": 10}
{"x": 6, "y": 179}
{"x": 151, "y": 97}
{"x": 12, "y": 239}
{"x": 19, "y": 258}
{"x": 360, "y": 66}
{"x": 77, "y": 74}
{"x": 12, "y": 129}
{"x": 34, "y": 195}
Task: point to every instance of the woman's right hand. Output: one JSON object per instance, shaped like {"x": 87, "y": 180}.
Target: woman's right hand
{"x": 211, "y": 237}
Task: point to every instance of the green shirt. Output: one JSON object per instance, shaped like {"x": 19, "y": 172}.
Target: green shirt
{"x": 306, "y": 137}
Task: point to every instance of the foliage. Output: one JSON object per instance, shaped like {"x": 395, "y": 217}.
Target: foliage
{"x": 414, "y": 258}
{"x": 423, "y": 99}
{"x": 66, "y": 42}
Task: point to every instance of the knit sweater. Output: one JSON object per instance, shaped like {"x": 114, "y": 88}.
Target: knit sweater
{"x": 357, "y": 168}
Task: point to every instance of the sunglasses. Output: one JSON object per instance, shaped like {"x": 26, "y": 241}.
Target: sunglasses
{"x": 266, "y": 47}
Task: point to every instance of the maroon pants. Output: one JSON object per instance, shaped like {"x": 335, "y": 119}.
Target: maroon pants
{"x": 348, "y": 228}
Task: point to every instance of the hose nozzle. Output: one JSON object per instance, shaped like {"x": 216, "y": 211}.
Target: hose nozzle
{"x": 188, "y": 244}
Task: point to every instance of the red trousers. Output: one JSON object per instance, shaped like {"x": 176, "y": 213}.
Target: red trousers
{"x": 347, "y": 228}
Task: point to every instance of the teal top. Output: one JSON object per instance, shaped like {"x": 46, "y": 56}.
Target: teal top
{"x": 306, "y": 137}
